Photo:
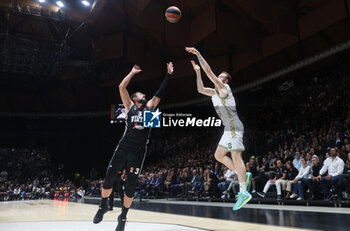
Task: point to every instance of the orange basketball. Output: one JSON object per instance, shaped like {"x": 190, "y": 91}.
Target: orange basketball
{"x": 173, "y": 14}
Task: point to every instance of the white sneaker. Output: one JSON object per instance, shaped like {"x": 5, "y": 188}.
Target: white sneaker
{"x": 253, "y": 191}
{"x": 293, "y": 196}
{"x": 300, "y": 198}
{"x": 223, "y": 196}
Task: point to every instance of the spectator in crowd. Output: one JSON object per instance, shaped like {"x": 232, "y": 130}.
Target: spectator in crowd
{"x": 183, "y": 183}
{"x": 211, "y": 182}
{"x": 309, "y": 158}
{"x": 195, "y": 177}
{"x": 187, "y": 182}
{"x": 287, "y": 157}
{"x": 197, "y": 181}
{"x": 314, "y": 182}
{"x": 280, "y": 177}
{"x": 17, "y": 192}
{"x": 10, "y": 192}
{"x": 170, "y": 180}
{"x": 3, "y": 193}
{"x": 297, "y": 161}
{"x": 335, "y": 167}
{"x": 255, "y": 176}
{"x": 344, "y": 179}
{"x": 230, "y": 183}
{"x": 207, "y": 180}
{"x": 262, "y": 164}
{"x": 95, "y": 187}
{"x": 303, "y": 177}
{"x": 326, "y": 157}
{"x": 291, "y": 173}
{"x": 217, "y": 170}
{"x": 178, "y": 186}
{"x": 270, "y": 167}
{"x": 157, "y": 184}
{"x": 152, "y": 179}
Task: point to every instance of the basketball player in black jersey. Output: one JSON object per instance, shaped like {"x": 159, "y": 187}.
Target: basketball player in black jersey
{"x": 131, "y": 150}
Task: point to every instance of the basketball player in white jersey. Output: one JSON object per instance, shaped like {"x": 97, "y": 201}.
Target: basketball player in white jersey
{"x": 232, "y": 138}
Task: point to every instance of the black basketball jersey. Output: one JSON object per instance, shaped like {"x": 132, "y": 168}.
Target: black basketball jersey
{"x": 134, "y": 130}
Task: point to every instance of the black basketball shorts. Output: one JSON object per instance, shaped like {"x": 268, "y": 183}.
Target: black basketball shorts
{"x": 128, "y": 156}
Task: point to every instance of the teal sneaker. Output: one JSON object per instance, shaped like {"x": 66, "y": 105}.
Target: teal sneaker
{"x": 242, "y": 200}
{"x": 248, "y": 181}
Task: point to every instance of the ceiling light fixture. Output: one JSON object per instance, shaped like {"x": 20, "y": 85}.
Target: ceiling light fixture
{"x": 60, "y": 4}
{"x": 85, "y": 3}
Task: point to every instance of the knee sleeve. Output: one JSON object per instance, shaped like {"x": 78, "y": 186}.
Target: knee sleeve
{"x": 131, "y": 185}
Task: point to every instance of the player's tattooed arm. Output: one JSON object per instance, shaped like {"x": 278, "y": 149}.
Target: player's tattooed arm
{"x": 153, "y": 103}
{"x": 124, "y": 94}
{"x": 200, "y": 87}
{"x": 206, "y": 68}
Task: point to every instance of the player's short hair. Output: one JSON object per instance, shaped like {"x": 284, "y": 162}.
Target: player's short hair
{"x": 133, "y": 95}
{"x": 229, "y": 77}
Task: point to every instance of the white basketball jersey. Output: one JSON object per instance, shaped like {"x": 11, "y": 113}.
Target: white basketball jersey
{"x": 226, "y": 109}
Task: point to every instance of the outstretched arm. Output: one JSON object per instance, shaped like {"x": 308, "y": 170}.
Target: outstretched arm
{"x": 200, "y": 87}
{"x": 153, "y": 103}
{"x": 124, "y": 94}
{"x": 206, "y": 68}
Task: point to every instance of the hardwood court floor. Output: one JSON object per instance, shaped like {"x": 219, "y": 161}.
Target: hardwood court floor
{"x": 57, "y": 215}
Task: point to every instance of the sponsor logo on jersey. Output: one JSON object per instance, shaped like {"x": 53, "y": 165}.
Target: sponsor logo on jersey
{"x": 136, "y": 119}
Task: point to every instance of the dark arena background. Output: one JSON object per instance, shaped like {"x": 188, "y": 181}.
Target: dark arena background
{"x": 60, "y": 66}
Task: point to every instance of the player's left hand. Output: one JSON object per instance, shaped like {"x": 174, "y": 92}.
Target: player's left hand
{"x": 195, "y": 66}
{"x": 192, "y": 50}
{"x": 170, "y": 68}
{"x": 136, "y": 69}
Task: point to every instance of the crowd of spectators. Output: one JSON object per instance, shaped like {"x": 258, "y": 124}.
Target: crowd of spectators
{"x": 25, "y": 174}
{"x": 291, "y": 176}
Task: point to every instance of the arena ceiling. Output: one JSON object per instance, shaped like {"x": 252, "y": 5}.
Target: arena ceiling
{"x": 70, "y": 59}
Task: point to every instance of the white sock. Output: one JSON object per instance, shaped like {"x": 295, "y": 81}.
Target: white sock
{"x": 242, "y": 187}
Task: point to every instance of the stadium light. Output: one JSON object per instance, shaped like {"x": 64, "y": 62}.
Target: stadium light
{"x": 42, "y": 1}
{"x": 60, "y": 4}
{"x": 85, "y": 3}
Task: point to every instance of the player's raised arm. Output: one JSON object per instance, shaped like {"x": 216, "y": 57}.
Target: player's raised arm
{"x": 200, "y": 87}
{"x": 153, "y": 103}
{"x": 124, "y": 94}
{"x": 206, "y": 68}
